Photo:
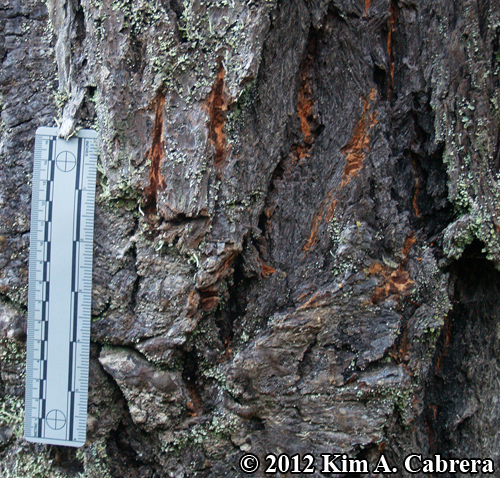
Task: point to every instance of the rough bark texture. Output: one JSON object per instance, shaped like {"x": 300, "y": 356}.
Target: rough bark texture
{"x": 297, "y": 231}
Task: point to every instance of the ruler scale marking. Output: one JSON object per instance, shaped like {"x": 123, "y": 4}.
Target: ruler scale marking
{"x": 60, "y": 283}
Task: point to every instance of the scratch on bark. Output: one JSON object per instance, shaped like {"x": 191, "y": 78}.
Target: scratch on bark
{"x": 324, "y": 214}
{"x": 359, "y": 144}
{"x": 305, "y": 103}
{"x": 415, "y": 197}
{"x": 304, "y": 109}
{"x": 355, "y": 151}
{"x": 321, "y": 298}
{"x": 155, "y": 155}
{"x": 312, "y": 240}
{"x": 217, "y": 106}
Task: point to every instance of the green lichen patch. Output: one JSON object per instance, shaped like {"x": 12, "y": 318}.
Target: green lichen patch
{"x": 218, "y": 428}
{"x": 12, "y": 413}
{"x": 94, "y": 459}
{"x": 29, "y": 464}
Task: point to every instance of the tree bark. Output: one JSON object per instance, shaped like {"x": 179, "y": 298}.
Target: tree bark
{"x": 297, "y": 228}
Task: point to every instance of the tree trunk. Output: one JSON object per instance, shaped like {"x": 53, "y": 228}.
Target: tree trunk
{"x": 297, "y": 228}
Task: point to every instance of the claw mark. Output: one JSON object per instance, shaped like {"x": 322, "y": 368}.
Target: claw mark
{"x": 217, "y": 105}
{"x": 321, "y": 216}
{"x": 359, "y": 144}
{"x": 156, "y": 154}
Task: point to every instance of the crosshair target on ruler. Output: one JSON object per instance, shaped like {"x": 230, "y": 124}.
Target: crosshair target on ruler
{"x": 66, "y": 161}
{"x": 60, "y": 286}
{"x": 55, "y": 419}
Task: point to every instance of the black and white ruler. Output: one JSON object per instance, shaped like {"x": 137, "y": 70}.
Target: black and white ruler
{"x": 60, "y": 283}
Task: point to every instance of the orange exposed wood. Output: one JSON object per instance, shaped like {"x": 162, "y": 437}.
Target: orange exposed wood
{"x": 305, "y": 104}
{"x": 367, "y": 5}
{"x": 210, "y": 298}
{"x": 375, "y": 268}
{"x": 356, "y": 148}
{"x": 299, "y": 151}
{"x": 355, "y": 151}
{"x": 415, "y": 198}
{"x": 313, "y": 301}
{"x": 195, "y": 405}
{"x": 302, "y": 297}
{"x": 210, "y": 303}
{"x": 221, "y": 271}
{"x": 304, "y": 109}
{"x": 217, "y": 106}
{"x": 359, "y": 144}
{"x": 410, "y": 240}
{"x": 312, "y": 240}
{"x": 395, "y": 284}
{"x": 266, "y": 269}
{"x": 325, "y": 213}
{"x": 155, "y": 155}
{"x": 330, "y": 210}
